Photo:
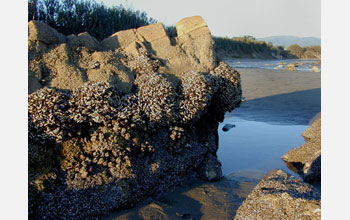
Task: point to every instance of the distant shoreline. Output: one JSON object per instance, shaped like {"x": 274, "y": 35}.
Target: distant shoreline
{"x": 300, "y": 65}
{"x": 258, "y": 58}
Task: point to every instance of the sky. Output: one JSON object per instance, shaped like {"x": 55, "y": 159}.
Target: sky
{"x": 231, "y": 18}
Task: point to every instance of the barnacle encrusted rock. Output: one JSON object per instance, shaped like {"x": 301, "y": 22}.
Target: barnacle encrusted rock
{"x": 110, "y": 128}
{"x": 306, "y": 159}
{"x": 280, "y": 196}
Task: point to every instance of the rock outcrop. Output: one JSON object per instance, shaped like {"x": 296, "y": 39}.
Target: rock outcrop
{"x": 306, "y": 159}
{"x": 111, "y": 123}
{"x": 281, "y": 196}
{"x": 67, "y": 62}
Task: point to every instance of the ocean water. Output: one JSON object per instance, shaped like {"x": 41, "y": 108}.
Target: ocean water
{"x": 247, "y": 152}
{"x": 250, "y": 149}
{"x": 303, "y": 65}
{"x": 256, "y": 146}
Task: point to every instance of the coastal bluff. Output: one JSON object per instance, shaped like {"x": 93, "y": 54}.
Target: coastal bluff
{"x": 113, "y": 122}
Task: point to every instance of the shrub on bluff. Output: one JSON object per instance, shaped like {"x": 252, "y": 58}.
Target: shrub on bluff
{"x": 109, "y": 127}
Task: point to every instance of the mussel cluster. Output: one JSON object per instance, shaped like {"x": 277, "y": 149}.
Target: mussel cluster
{"x": 93, "y": 102}
{"x": 95, "y": 139}
{"x": 157, "y": 98}
{"x": 46, "y": 109}
{"x": 143, "y": 64}
{"x": 229, "y": 90}
{"x": 197, "y": 92}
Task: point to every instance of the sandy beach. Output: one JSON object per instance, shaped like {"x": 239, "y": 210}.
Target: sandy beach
{"x": 272, "y": 96}
{"x": 279, "y": 96}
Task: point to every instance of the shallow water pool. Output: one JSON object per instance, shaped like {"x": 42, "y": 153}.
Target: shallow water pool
{"x": 303, "y": 65}
{"x": 253, "y": 145}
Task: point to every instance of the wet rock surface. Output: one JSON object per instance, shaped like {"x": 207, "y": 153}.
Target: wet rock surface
{"x": 281, "y": 196}
{"x": 306, "y": 159}
{"x": 228, "y": 127}
{"x": 108, "y": 128}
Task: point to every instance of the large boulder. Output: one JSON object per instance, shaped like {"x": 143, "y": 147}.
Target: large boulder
{"x": 195, "y": 39}
{"x": 306, "y": 159}
{"x": 192, "y": 49}
{"x": 64, "y": 62}
{"x": 108, "y": 128}
{"x": 281, "y": 196}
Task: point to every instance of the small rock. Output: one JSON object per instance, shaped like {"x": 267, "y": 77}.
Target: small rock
{"x": 291, "y": 67}
{"x": 228, "y": 127}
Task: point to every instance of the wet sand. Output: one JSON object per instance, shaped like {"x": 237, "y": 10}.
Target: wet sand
{"x": 272, "y": 96}
{"x": 279, "y": 96}
{"x": 201, "y": 200}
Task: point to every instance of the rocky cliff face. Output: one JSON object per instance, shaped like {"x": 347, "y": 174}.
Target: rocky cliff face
{"x": 113, "y": 122}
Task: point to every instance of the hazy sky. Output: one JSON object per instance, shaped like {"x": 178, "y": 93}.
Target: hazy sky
{"x": 259, "y": 18}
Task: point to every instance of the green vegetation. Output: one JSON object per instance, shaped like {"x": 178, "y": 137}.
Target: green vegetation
{"x": 311, "y": 52}
{"x": 77, "y": 16}
{"x": 249, "y": 47}
{"x": 296, "y": 50}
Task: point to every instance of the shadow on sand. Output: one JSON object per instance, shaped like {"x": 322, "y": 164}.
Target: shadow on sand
{"x": 207, "y": 200}
{"x": 295, "y": 108}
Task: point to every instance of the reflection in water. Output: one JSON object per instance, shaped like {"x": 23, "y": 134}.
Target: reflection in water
{"x": 200, "y": 200}
{"x": 247, "y": 151}
{"x": 253, "y": 145}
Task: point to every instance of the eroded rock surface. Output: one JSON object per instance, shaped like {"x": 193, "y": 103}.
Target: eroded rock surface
{"x": 67, "y": 62}
{"x": 306, "y": 159}
{"x": 280, "y": 196}
{"x": 110, "y": 127}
